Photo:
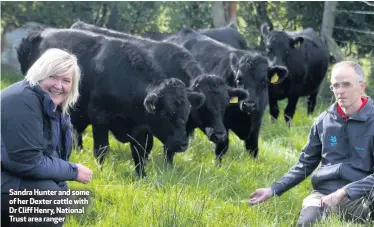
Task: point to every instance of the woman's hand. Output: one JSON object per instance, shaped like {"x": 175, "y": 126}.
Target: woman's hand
{"x": 84, "y": 174}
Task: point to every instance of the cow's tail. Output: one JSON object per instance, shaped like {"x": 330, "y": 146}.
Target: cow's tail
{"x": 26, "y": 48}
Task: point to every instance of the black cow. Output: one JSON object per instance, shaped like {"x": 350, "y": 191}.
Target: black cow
{"x": 239, "y": 68}
{"x": 178, "y": 62}
{"x": 306, "y": 58}
{"x": 156, "y": 35}
{"x": 228, "y": 35}
{"x": 120, "y": 80}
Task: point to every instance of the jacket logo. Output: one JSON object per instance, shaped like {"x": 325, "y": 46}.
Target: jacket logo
{"x": 359, "y": 148}
{"x": 333, "y": 141}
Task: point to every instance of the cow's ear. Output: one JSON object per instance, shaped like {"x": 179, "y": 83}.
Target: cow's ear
{"x": 150, "y": 102}
{"x": 265, "y": 29}
{"x": 277, "y": 74}
{"x": 234, "y": 63}
{"x": 237, "y": 94}
{"x": 196, "y": 99}
{"x": 296, "y": 42}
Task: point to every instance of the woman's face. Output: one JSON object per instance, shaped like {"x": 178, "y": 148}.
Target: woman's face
{"x": 58, "y": 86}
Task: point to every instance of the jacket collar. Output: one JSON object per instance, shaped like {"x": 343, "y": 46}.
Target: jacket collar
{"x": 48, "y": 104}
{"x": 362, "y": 115}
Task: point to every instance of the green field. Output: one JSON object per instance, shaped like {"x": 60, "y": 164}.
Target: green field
{"x": 195, "y": 192}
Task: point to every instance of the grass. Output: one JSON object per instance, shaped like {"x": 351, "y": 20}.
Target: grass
{"x": 195, "y": 192}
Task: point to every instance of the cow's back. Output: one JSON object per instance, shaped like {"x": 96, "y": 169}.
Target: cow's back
{"x": 174, "y": 60}
{"x": 227, "y": 35}
{"x": 124, "y": 73}
{"x": 308, "y": 67}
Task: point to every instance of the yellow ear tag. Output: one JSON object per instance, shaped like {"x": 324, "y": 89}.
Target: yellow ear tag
{"x": 297, "y": 45}
{"x": 234, "y": 100}
{"x": 274, "y": 78}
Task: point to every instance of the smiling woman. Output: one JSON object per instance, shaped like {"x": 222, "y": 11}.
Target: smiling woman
{"x": 35, "y": 129}
{"x": 57, "y": 72}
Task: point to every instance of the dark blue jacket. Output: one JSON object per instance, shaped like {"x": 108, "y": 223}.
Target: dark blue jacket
{"x": 33, "y": 146}
{"x": 345, "y": 150}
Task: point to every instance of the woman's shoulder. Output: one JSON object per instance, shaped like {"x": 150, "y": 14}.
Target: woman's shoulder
{"x": 19, "y": 96}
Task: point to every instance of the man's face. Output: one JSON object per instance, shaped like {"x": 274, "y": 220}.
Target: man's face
{"x": 346, "y": 86}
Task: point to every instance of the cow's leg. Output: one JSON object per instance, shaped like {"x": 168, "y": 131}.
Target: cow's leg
{"x": 290, "y": 109}
{"x": 100, "y": 133}
{"x": 141, "y": 146}
{"x": 169, "y": 156}
{"x": 101, "y": 141}
{"x": 312, "y": 100}
{"x": 274, "y": 109}
{"x": 251, "y": 144}
{"x": 121, "y": 129}
{"x": 220, "y": 150}
{"x": 78, "y": 132}
{"x": 80, "y": 122}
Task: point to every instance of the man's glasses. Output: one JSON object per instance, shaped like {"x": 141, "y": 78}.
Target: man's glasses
{"x": 344, "y": 85}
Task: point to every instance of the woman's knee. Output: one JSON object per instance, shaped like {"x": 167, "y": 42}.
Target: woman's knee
{"x": 42, "y": 185}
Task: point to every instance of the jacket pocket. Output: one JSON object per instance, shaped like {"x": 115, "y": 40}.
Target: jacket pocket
{"x": 325, "y": 173}
{"x": 361, "y": 153}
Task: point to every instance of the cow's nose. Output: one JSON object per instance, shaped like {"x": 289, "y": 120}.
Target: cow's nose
{"x": 248, "y": 106}
{"x": 219, "y": 136}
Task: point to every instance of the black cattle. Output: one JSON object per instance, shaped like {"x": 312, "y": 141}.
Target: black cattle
{"x": 306, "y": 58}
{"x": 120, "y": 80}
{"x": 175, "y": 61}
{"x": 228, "y": 35}
{"x": 156, "y": 35}
{"x": 238, "y": 68}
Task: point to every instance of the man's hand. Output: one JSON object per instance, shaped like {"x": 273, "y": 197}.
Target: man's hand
{"x": 330, "y": 201}
{"x": 260, "y": 195}
{"x": 84, "y": 174}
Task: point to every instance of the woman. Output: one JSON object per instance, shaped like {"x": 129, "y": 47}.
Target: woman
{"x": 36, "y": 131}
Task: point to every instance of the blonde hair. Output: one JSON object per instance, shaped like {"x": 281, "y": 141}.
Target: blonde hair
{"x": 56, "y": 61}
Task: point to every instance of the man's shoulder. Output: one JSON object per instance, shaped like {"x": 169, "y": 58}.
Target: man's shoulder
{"x": 319, "y": 119}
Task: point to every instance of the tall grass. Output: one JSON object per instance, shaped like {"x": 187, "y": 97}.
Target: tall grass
{"x": 195, "y": 192}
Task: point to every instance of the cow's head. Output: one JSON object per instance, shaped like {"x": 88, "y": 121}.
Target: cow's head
{"x": 252, "y": 72}
{"x": 28, "y": 50}
{"x": 171, "y": 104}
{"x": 209, "y": 117}
{"x": 279, "y": 45}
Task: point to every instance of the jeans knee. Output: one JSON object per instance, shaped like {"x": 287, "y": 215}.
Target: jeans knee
{"x": 309, "y": 215}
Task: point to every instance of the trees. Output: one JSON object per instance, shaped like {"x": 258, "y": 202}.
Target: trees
{"x": 353, "y": 29}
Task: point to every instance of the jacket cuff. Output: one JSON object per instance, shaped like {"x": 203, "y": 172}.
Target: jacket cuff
{"x": 352, "y": 194}
{"x": 74, "y": 172}
{"x": 278, "y": 189}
